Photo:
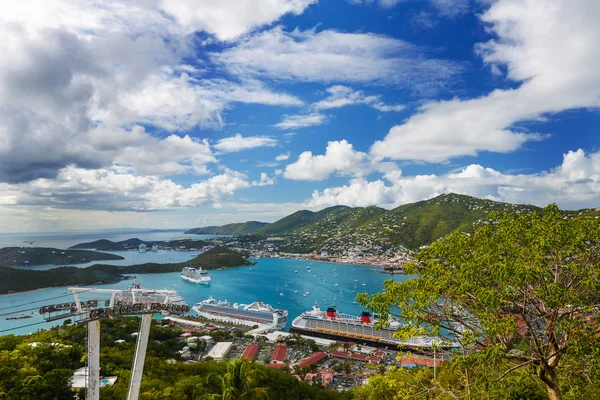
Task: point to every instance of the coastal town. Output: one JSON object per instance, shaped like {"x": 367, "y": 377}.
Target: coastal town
{"x": 317, "y": 361}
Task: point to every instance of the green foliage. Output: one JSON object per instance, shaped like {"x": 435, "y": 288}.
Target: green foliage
{"x": 16, "y": 279}
{"x": 520, "y": 293}
{"x": 450, "y": 383}
{"x": 44, "y": 371}
{"x": 244, "y": 228}
{"x": 219, "y": 257}
{"x": 410, "y": 225}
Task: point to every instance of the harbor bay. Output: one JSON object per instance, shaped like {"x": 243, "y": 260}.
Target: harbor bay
{"x": 268, "y": 280}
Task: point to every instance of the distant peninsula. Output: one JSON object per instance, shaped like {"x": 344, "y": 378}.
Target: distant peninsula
{"x": 29, "y": 256}
{"x": 134, "y": 243}
{"x": 244, "y": 228}
{"x": 20, "y": 280}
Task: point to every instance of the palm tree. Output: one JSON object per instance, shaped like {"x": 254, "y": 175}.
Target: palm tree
{"x": 238, "y": 383}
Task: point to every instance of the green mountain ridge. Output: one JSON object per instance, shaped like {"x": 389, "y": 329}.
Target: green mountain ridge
{"x": 377, "y": 231}
{"x": 243, "y": 228}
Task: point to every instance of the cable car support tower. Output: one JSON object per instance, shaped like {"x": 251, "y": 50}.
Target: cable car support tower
{"x": 142, "y": 302}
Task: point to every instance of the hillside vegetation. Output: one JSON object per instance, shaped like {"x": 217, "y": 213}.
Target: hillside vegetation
{"x": 376, "y": 231}
{"x": 24, "y": 256}
{"x": 244, "y": 228}
{"x": 219, "y": 257}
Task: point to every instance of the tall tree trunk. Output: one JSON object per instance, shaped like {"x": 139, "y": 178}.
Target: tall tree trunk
{"x": 549, "y": 377}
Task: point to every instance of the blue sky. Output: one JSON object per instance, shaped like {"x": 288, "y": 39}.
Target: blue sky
{"x": 188, "y": 113}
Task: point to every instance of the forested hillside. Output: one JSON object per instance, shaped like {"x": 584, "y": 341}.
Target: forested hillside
{"x": 375, "y": 230}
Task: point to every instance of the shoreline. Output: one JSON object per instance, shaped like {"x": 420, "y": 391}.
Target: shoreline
{"x": 334, "y": 261}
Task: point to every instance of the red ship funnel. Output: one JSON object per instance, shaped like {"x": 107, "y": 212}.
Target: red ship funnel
{"x": 331, "y": 312}
{"x": 365, "y": 317}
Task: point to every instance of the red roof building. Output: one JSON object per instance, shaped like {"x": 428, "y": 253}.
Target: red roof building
{"x": 359, "y": 357}
{"x": 313, "y": 359}
{"x": 374, "y": 359}
{"x": 354, "y": 356}
{"x": 340, "y": 354}
{"x": 279, "y": 354}
{"x": 250, "y": 352}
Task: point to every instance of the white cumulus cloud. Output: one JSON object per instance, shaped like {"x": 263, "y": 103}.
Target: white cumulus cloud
{"x": 535, "y": 43}
{"x": 265, "y": 180}
{"x": 228, "y": 19}
{"x": 332, "y": 56}
{"x": 283, "y": 156}
{"x": 116, "y": 190}
{"x": 575, "y": 183}
{"x": 301, "y": 121}
{"x": 239, "y": 143}
{"x": 73, "y": 71}
{"x": 339, "y": 158}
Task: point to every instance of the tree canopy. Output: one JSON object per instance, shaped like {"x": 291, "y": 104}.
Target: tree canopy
{"x": 519, "y": 294}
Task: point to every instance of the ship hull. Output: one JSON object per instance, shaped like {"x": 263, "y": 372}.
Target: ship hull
{"x": 193, "y": 280}
{"x": 338, "y": 338}
{"x": 364, "y": 342}
{"x": 244, "y": 321}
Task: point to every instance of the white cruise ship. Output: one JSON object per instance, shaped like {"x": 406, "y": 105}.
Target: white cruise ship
{"x": 247, "y": 314}
{"x": 343, "y": 327}
{"x": 196, "y": 275}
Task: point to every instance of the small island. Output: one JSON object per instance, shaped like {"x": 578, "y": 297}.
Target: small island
{"x": 134, "y": 243}
{"x": 29, "y": 256}
{"x": 21, "y": 280}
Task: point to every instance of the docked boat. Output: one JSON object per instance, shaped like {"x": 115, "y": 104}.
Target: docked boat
{"x": 136, "y": 294}
{"x": 332, "y": 325}
{"x": 247, "y": 314}
{"x": 196, "y": 275}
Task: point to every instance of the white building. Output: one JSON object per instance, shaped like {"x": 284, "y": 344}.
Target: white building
{"x": 220, "y": 350}
{"x": 209, "y": 340}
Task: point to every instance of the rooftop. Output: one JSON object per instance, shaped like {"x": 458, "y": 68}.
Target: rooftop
{"x": 313, "y": 359}
{"x": 220, "y": 350}
{"x": 280, "y": 353}
{"x": 250, "y": 352}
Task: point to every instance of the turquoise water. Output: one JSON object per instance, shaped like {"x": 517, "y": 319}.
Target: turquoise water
{"x": 133, "y": 257}
{"x": 242, "y": 285}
